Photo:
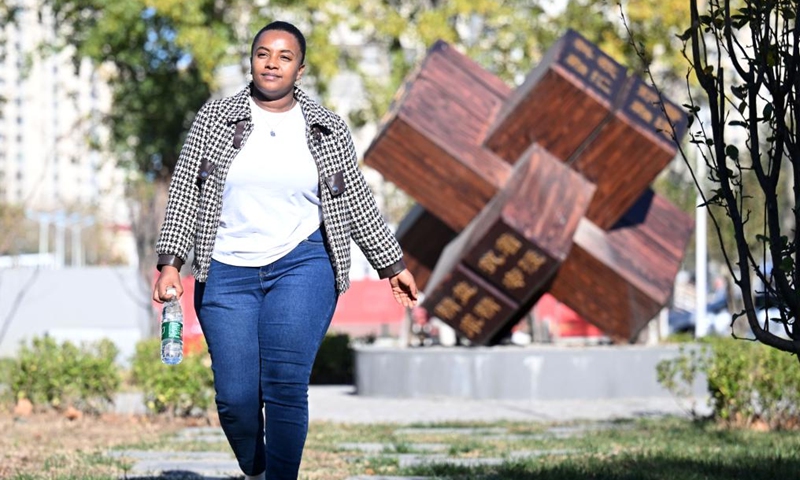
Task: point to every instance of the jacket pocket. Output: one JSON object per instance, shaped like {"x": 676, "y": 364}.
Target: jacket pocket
{"x": 335, "y": 183}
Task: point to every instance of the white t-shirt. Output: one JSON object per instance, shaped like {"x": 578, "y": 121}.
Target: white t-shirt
{"x": 271, "y": 198}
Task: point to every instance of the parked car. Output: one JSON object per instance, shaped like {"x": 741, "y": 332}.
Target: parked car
{"x": 683, "y": 321}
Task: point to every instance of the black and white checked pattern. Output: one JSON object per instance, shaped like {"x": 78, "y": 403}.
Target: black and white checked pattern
{"x": 193, "y": 207}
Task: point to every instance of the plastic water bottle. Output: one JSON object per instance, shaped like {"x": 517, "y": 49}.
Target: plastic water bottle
{"x": 172, "y": 330}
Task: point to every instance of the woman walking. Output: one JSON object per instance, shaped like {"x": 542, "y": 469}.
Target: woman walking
{"x": 268, "y": 193}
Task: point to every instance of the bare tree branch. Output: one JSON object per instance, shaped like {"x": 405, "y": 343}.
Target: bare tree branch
{"x": 16, "y": 303}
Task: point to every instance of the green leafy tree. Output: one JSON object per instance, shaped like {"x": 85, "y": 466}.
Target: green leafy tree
{"x": 160, "y": 58}
{"x": 744, "y": 56}
{"x": 506, "y": 37}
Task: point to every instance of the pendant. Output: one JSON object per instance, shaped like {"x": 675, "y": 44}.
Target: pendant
{"x": 271, "y": 133}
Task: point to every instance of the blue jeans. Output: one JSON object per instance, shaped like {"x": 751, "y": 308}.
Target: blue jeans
{"x": 263, "y": 326}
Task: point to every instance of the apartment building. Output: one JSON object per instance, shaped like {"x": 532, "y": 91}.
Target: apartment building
{"x": 50, "y": 117}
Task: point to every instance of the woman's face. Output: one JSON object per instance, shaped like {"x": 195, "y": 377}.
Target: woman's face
{"x": 276, "y": 63}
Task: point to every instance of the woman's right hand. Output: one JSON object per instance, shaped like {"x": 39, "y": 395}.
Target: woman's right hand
{"x": 169, "y": 277}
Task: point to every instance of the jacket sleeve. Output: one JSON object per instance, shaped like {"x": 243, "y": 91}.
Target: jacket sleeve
{"x": 180, "y": 221}
{"x": 368, "y": 229}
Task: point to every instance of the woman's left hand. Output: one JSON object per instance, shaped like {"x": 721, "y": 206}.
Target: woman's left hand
{"x": 404, "y": 288}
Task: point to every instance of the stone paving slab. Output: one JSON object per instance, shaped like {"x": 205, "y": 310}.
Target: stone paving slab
{"x": 523, "y": 454}
{"x": 561, "y": 432}
{"x": 200, "y": 431}
{"x": 521, "y": 437}
{"x": 577, "y": 430}
{"x": 375, "y": 447}
{"x": 451, "y": 431}
{"x": 456, "y": 462}
{"x": 405, "y": 460}
{"x": 180, "y": 464}
{"x": 367, "y": 477}
{"x": 181, "y": 475}
{"x": 210, "y": 468}
{"x": 203, "y": 439}
{"x": 153, "y": 455}
{"x": 411, "y": 460}
{"x": 202, "y": 435}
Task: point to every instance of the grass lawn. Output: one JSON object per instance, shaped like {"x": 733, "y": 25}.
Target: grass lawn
{"x": 672, "y": 448}
{"x": 647, "y": 449}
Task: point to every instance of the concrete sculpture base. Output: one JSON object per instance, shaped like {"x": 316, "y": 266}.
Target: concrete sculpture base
{"x": 514, "y": 373}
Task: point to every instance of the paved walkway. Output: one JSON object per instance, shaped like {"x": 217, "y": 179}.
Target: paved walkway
{"x": 341, "y": 404}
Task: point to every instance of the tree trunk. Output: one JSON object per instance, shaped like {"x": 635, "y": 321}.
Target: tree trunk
{"x": 148, "y": 201}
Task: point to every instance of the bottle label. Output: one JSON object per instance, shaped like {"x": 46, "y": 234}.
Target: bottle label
{"x": 171, "y": 330}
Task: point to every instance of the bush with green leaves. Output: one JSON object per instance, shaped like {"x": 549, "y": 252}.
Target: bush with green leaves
{"x": 53, "y": 374}
{"x": 7, "y": 367}
{"x": 334, "y": 362}
{"x": 748, "y": 382}
{"x": 186, "y": 389}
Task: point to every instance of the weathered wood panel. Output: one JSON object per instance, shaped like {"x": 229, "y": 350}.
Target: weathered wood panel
{"x": 469, "y": 304}
{"x": 627, "y": 153}
{"x": 619, "y": 279}
{"x": 561, "y": 103}
{"x": 428, "y": 144}
{"x": 423, "y": 238}
{"x": 434, "y": 176}
{"x": 655, "y": 114}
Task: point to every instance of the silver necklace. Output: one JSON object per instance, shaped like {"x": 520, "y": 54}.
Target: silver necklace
{"x": 282, "y": 118}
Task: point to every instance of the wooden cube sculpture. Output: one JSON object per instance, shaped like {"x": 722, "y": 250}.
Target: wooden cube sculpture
{"x": 560, "y": 167}
{"x": 506, "y": 256}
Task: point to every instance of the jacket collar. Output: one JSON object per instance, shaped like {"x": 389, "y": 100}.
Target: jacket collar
{"x": 315, "y": 113}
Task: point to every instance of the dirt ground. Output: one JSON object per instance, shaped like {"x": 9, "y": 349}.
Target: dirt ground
{"x": 53, "y": 445}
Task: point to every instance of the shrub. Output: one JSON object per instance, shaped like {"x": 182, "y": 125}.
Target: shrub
{"x": 50, "y": 374}
{"x": 334, "y": 362}
{"x": 186, "y": 389}
{"x": 748, "y": 382}
{"x": 7, "y": 367}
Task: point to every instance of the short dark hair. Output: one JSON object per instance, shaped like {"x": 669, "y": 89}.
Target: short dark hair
{"x": 284, "y": 27}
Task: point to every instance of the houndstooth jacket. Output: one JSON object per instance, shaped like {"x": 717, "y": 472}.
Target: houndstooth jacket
{"x": 219, "y": 130}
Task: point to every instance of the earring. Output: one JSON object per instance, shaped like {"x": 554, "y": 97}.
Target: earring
{"x": 298, "y": 82}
